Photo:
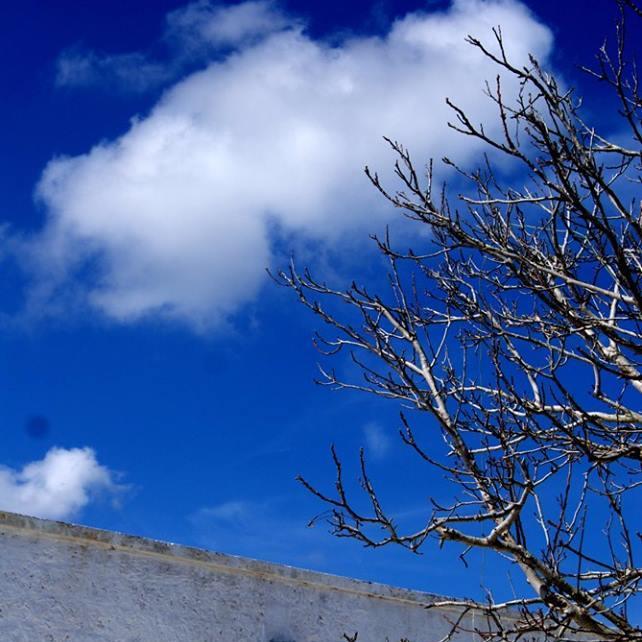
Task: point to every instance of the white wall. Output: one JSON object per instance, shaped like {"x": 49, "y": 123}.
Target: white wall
{"x": 67, "y": 583}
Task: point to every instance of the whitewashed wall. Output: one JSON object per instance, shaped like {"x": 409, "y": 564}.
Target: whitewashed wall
{"x": 67, "y": 583}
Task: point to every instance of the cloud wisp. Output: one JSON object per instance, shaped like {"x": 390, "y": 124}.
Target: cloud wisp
{"x": 203, "y": 26}
{"x": 57, "y": 486}
{"x": 193, "y": 34}
{"x": 244, "y": 527}
{"x": 129, "y": 72}
{"x": 276, "y": 530}
{"x": 175, "y": 217}
{"x": 279, "y": 530}
{"x": 377, "y": 441}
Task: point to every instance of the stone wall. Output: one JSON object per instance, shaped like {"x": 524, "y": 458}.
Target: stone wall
{"x": 68, "y": 583}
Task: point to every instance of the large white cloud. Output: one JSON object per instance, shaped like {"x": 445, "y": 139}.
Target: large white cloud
{"x": 174, "y": 217}
{"x": 56, "y": 487}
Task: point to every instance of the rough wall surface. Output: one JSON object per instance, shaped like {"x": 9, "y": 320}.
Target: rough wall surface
{"x": 67, "y": 583}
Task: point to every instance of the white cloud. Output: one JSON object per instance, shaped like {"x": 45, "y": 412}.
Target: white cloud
{"x": 204, "y": 25}
{"x": 174, "y": 217}
{"x": 377, "y": 441}
{"x": 56, "y": 487}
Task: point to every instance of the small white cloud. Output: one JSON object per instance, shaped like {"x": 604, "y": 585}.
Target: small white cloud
{"x": 204, "y": 25}
{"x": 377, "y": 441}
{"x": 174, "y": 217}
{"x": 56, "y": 487}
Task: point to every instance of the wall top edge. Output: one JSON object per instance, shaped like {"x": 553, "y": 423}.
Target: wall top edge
{"x": 215, "y": 562}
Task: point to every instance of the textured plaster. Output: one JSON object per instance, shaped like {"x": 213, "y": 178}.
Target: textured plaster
{"x": 60, "y": 582}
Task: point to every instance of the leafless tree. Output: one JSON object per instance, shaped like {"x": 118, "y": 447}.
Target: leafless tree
{"x": 542, "y": 280}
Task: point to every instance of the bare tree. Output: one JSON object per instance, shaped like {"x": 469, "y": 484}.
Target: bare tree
{"x": 542, "y": 280}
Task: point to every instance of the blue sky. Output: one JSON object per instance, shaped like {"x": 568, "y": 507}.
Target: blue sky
{"x": 156, "y": 158}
